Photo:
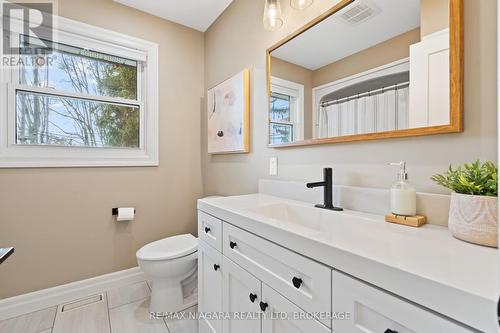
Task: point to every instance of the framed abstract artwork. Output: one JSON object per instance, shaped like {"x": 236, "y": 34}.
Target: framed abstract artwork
{"x": 228, "y": 115}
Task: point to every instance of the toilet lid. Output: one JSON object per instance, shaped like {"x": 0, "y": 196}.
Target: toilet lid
{"x": 169, "y": 248}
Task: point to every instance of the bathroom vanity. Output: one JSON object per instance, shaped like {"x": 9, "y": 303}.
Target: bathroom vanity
{"x": 329, "y": 271}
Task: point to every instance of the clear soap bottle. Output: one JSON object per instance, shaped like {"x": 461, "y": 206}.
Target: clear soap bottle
{"x": 403, "y": 194}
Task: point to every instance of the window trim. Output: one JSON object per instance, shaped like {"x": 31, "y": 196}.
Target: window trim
{"x": 79, "y": 34}
{"x": 296, "y": 91}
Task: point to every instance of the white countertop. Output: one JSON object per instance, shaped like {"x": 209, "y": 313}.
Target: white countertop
{"x": 425, "y": 265}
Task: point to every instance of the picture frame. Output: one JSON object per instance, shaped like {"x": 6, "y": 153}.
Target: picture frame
{"x": 228, "y": 115}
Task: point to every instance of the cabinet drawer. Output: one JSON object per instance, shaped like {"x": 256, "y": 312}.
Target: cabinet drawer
{"x": 305, "y": 282}
{"x": 373, "y": 310}
{"x": 210, "y": 230}
{"x": 277, "y": 304}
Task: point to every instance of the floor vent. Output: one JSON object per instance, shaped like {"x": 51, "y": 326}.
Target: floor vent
{"x": 81, "y": 303}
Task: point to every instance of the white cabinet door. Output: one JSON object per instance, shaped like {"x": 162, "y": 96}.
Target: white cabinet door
{"x": 241, "y": 295}
{"x": 430, "y": 81}
{"x": 296, "y": 320}
{"x": 305, "y": 282}
{"x": 372, "y": 310}
{"x": 209, "y": 286}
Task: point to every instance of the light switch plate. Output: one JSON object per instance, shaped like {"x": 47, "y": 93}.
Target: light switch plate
{"x": 273, "y": 166}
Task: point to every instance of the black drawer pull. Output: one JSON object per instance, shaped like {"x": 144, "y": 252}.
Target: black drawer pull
{"x": 232, "y": 245}
{"x": 207, "y": 229}
{"x": 390, "y": 331}
{"x": 297, "y": 282}
{"x": 263, "y": 306}
{"x": 216, "y": 267}
{"x": 253, "y": 297}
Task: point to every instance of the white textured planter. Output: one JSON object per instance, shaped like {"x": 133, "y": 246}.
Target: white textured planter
{"x": 474, "y": 218}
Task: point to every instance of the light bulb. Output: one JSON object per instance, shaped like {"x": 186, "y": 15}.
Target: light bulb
{"x": 272, "y": 15}
{"x": 300, "y": 4}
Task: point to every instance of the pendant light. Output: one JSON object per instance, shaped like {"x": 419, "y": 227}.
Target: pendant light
{"x": 273, "y": 20}
{"x": 300, "y": 4}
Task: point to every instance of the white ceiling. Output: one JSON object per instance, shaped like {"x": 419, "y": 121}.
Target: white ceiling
{"x": 334, "y": 39}
{"x": 196, "y": 14}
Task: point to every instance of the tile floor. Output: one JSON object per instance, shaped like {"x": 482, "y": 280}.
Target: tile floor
{"x": 120, "y": 310}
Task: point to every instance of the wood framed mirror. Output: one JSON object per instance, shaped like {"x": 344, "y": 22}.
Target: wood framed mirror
{"x": 367, "y": 70}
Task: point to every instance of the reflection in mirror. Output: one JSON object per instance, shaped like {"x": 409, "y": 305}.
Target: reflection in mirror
{"x": 373, "y": 66}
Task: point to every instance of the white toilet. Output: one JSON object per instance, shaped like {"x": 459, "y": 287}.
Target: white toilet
{"x": 172, "y": 265}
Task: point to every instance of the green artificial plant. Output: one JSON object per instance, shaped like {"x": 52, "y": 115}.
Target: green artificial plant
{"x": 472, "y": 178}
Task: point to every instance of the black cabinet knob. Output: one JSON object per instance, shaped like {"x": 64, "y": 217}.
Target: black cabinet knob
{"x": 253, "y": 297}
{"x": 232, "y": 245}
{"x": 297, "y": 282}
{"x": 220, "y": 134}
{"x": 263, "y": 306}
{"x": 390, "y": 331}
{"x": 207, "y": 229}
{"x": 216, "y": 267}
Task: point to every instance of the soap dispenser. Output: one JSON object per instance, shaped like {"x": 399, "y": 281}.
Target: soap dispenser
{"x": 403, "y": 195}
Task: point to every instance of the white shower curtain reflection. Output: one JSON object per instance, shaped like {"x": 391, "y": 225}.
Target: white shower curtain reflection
{"x": 379, "y": 110}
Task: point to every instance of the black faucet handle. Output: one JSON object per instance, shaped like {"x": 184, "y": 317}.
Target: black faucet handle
{"x": 327, "y": 185}
{"x": 327, "y": 174}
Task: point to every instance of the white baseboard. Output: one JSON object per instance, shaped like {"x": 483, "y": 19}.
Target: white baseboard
{"x": 42, "y": 299}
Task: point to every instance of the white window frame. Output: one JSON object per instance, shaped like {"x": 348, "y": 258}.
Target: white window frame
{"x": 82, "y": 35}
{"x": 296, "y": 91}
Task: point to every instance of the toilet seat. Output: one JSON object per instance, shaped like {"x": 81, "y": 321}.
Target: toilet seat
{"x": 169, "y": 248}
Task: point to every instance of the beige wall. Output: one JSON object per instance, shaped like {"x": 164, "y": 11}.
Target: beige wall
{"x": 360, "y": 163}
{"x": 434, "y": 16}
{"x": 291, "y": 72}
{"x": 59, "y": 220}
{"x": 384, "y": 53}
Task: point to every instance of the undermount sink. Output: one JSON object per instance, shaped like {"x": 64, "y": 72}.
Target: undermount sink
{"x": 295, "y": 215}
{"x": 287, "y": 213}
{"x": 299, "y": 216}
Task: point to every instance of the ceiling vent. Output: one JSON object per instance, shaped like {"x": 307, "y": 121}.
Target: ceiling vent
{"x": 359, "y": 12}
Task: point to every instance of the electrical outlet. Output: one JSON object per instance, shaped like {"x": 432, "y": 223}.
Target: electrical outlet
{"x": 273, "y": 166}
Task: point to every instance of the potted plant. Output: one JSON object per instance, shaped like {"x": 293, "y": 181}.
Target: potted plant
{"x": 474, "y": 204}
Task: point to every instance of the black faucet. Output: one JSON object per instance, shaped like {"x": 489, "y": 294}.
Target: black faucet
{"x": 5, "y": 252}
{"x": 327, "y": 183}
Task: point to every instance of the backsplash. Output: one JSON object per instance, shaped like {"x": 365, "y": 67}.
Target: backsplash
{"x": 362, "y": 199}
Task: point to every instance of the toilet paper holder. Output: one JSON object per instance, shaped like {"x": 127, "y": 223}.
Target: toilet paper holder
{"x": 114, "y": 211}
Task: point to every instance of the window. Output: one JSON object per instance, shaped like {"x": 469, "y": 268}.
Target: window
{"x": 89, "y": 101}
{"x": 281, "y": 127}
{"x": 72, "y": 99}
{"x": 286, "y": 111}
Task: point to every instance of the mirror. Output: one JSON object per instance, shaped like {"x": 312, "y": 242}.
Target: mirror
{"x": 368, "y": 69}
